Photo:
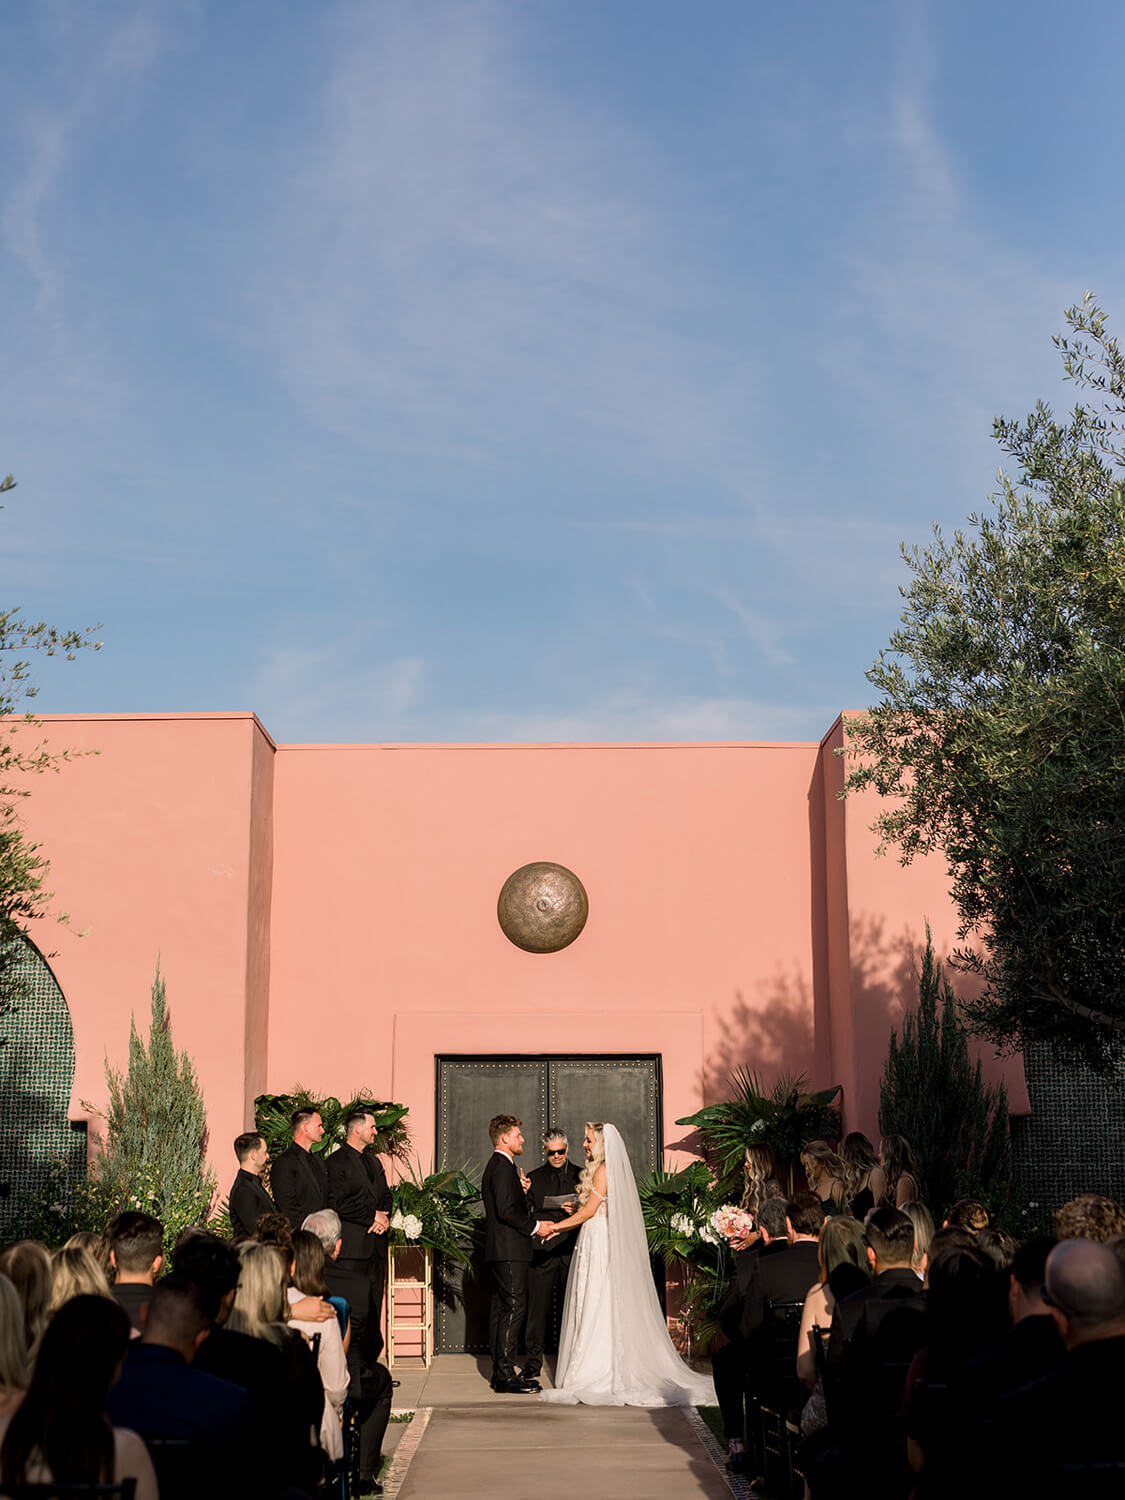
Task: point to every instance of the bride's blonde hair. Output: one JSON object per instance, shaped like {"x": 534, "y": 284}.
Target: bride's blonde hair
{"x": 586, "y": 1181}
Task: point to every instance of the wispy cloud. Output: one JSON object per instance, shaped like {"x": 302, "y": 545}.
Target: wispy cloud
{"x": 99, "y": 62}
{"x": 469, "y": 265}
{"x": 342, "y": 689}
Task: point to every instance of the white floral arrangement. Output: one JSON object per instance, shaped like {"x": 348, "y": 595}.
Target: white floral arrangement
{"x": 409, "y": 1225}
{"x": 683, "y": 1225}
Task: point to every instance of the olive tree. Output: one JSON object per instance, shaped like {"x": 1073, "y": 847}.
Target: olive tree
{"x": 999, "y": 735}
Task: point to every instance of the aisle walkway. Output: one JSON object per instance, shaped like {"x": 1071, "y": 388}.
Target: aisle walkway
{"x": 474, "y": 1444}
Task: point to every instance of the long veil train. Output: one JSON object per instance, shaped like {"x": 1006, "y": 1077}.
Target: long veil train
{"x": 636, "y": 1361}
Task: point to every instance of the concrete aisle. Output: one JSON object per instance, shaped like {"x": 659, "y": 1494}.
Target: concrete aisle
{"x": 545, "y": 1452}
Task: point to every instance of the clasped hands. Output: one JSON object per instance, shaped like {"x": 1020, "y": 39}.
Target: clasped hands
{"x": 380, "y": 1224}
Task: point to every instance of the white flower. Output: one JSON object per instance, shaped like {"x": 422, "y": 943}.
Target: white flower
{"x": 708, "y": 1236}
{"x": 396, "y": 1219}
{"x": 682, "y": 1225}
{"x": 412, "y": 1226}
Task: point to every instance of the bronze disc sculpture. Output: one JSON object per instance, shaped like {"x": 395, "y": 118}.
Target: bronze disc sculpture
{"x": 542, "y": 907}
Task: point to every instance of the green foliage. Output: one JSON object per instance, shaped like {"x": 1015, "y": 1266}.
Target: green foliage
{"x": 785, "y": 1118}
{"x": 22, "y": 867}
{"x": 934, "y": 1096}
{"x": 152, "y": 1155}
{"x": 272, "y": 1113}
{"x": 435, "y": 1212}
{"x": 677, "y": 1208}
{"x": 999, "y": 737}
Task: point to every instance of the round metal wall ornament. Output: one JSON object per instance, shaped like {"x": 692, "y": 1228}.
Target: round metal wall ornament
{"x": 542, "y": 907}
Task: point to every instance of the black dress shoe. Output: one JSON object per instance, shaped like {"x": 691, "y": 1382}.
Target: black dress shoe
{"x": 369, "y": 1485}
{"x": 529, "y": 1385}
{"x": 515, "y": 1387}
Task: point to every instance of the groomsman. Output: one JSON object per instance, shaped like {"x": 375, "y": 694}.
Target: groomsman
{"x": 298, "y": 1177}
{"x": 550, "y": 1260}
{"x": 358, "y": 1191}
{"x": 248, "y": 1198}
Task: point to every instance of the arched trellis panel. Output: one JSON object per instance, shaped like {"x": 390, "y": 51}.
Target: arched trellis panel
{"x": 36, "y": 1076}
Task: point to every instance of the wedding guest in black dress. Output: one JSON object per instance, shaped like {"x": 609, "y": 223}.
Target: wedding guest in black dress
{"x": 550, "y": 1260}
{"x": 860, "y": 1160}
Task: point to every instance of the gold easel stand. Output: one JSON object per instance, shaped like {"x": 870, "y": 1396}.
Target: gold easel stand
{"x": 410, "y": 1305}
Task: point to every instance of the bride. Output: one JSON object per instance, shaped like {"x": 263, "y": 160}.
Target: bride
{"x": 614, "y": 1349}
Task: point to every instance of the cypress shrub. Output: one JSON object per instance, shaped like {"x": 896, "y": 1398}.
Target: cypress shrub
{"x": 932, "y": 1094}
{"x": 152, "y": 1154}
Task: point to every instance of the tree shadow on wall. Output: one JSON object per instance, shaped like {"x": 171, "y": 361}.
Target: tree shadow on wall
{"x": 785, "y": 1026}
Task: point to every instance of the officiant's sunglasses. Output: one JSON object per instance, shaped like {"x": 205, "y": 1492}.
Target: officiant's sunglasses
{"x": 557, "y": 1150}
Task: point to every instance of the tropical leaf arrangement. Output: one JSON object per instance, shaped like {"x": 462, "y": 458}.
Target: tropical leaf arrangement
{"x": 435, "y": 1212}
{"x": 678, "y": 1209}
{"x": 785, "y": 1117}
{"x": 272, "y": 1113}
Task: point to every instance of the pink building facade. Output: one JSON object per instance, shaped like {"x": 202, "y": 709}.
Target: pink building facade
{"x": 326, "y": 914}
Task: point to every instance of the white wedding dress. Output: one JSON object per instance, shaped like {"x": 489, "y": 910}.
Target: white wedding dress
{"x": 614, "y": 1349}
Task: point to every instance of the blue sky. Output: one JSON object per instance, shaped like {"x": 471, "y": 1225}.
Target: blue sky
{"x": 535, "y": 369}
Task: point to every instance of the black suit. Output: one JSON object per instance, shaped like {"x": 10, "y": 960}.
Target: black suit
{"x": 875, "y": 1334}
{"x": 777, "y": 1272}
{"x": 248, "y": 1202}
{"x": 550, "y": 1260}
{"x": 370, "y": 1384}
{"x": 508, "y": 1228}
{"x": 299, "y": 1183}
{"x": 1070, "y": 1417}
{"x": 357, "y": 1190}
{"x": 159, "y": 1395}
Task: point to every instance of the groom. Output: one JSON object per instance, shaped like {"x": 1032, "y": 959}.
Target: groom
{"x": 510, "y": 1229}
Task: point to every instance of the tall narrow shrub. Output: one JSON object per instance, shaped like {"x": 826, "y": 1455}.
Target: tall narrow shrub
{"x": 932, "y": 1094}
{"x": 152, "y": 1156}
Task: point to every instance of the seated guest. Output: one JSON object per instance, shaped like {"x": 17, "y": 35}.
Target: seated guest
{"x": 950, "y": 1235}
{"x": 14, "y": 1364}
{"x": 1090, "y": 1217}
{"x": 97, "y": 1244}
{"x": 60, "y": 1432}
{"x": 966, "y": 1311}
{"x": 135, "y": 1254}
{"x": 248, "y": 1198}
{"x": 308, "y": 1281}
{"x": 370, "y": 1385}
{"x": 213, "y": 1266}
{"x": 920, "y": 1216}
{"x": 160, "y": 1395}
{"x": 760, "y": 1279}
{"x": 997, "y": 1245}
{"x": 875, "y": 1333}
{"x": 968, "y": 1214}
{"x": 1031, "y": 1347}
{"x": 75, "y": 1273}
{"x": 27, "y": 1265}
{"x": 261, "y": 1309}
{"x": 274, "y": 1229}
{"x": 844, "y": 1268}
{"x": 299, "y": 1178}
{"x": 1050, "y": 1435}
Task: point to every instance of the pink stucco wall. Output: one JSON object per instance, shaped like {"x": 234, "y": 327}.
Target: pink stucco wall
{"x": 327, "y": 914}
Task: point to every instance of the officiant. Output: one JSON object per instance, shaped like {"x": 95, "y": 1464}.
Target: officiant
{"x": 550, "y": 1263}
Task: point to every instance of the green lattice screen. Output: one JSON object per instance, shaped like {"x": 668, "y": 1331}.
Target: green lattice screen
{"x": 36, "y": 1073}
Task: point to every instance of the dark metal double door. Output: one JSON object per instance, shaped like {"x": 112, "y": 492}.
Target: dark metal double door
{"x": 542, "y": 1092}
